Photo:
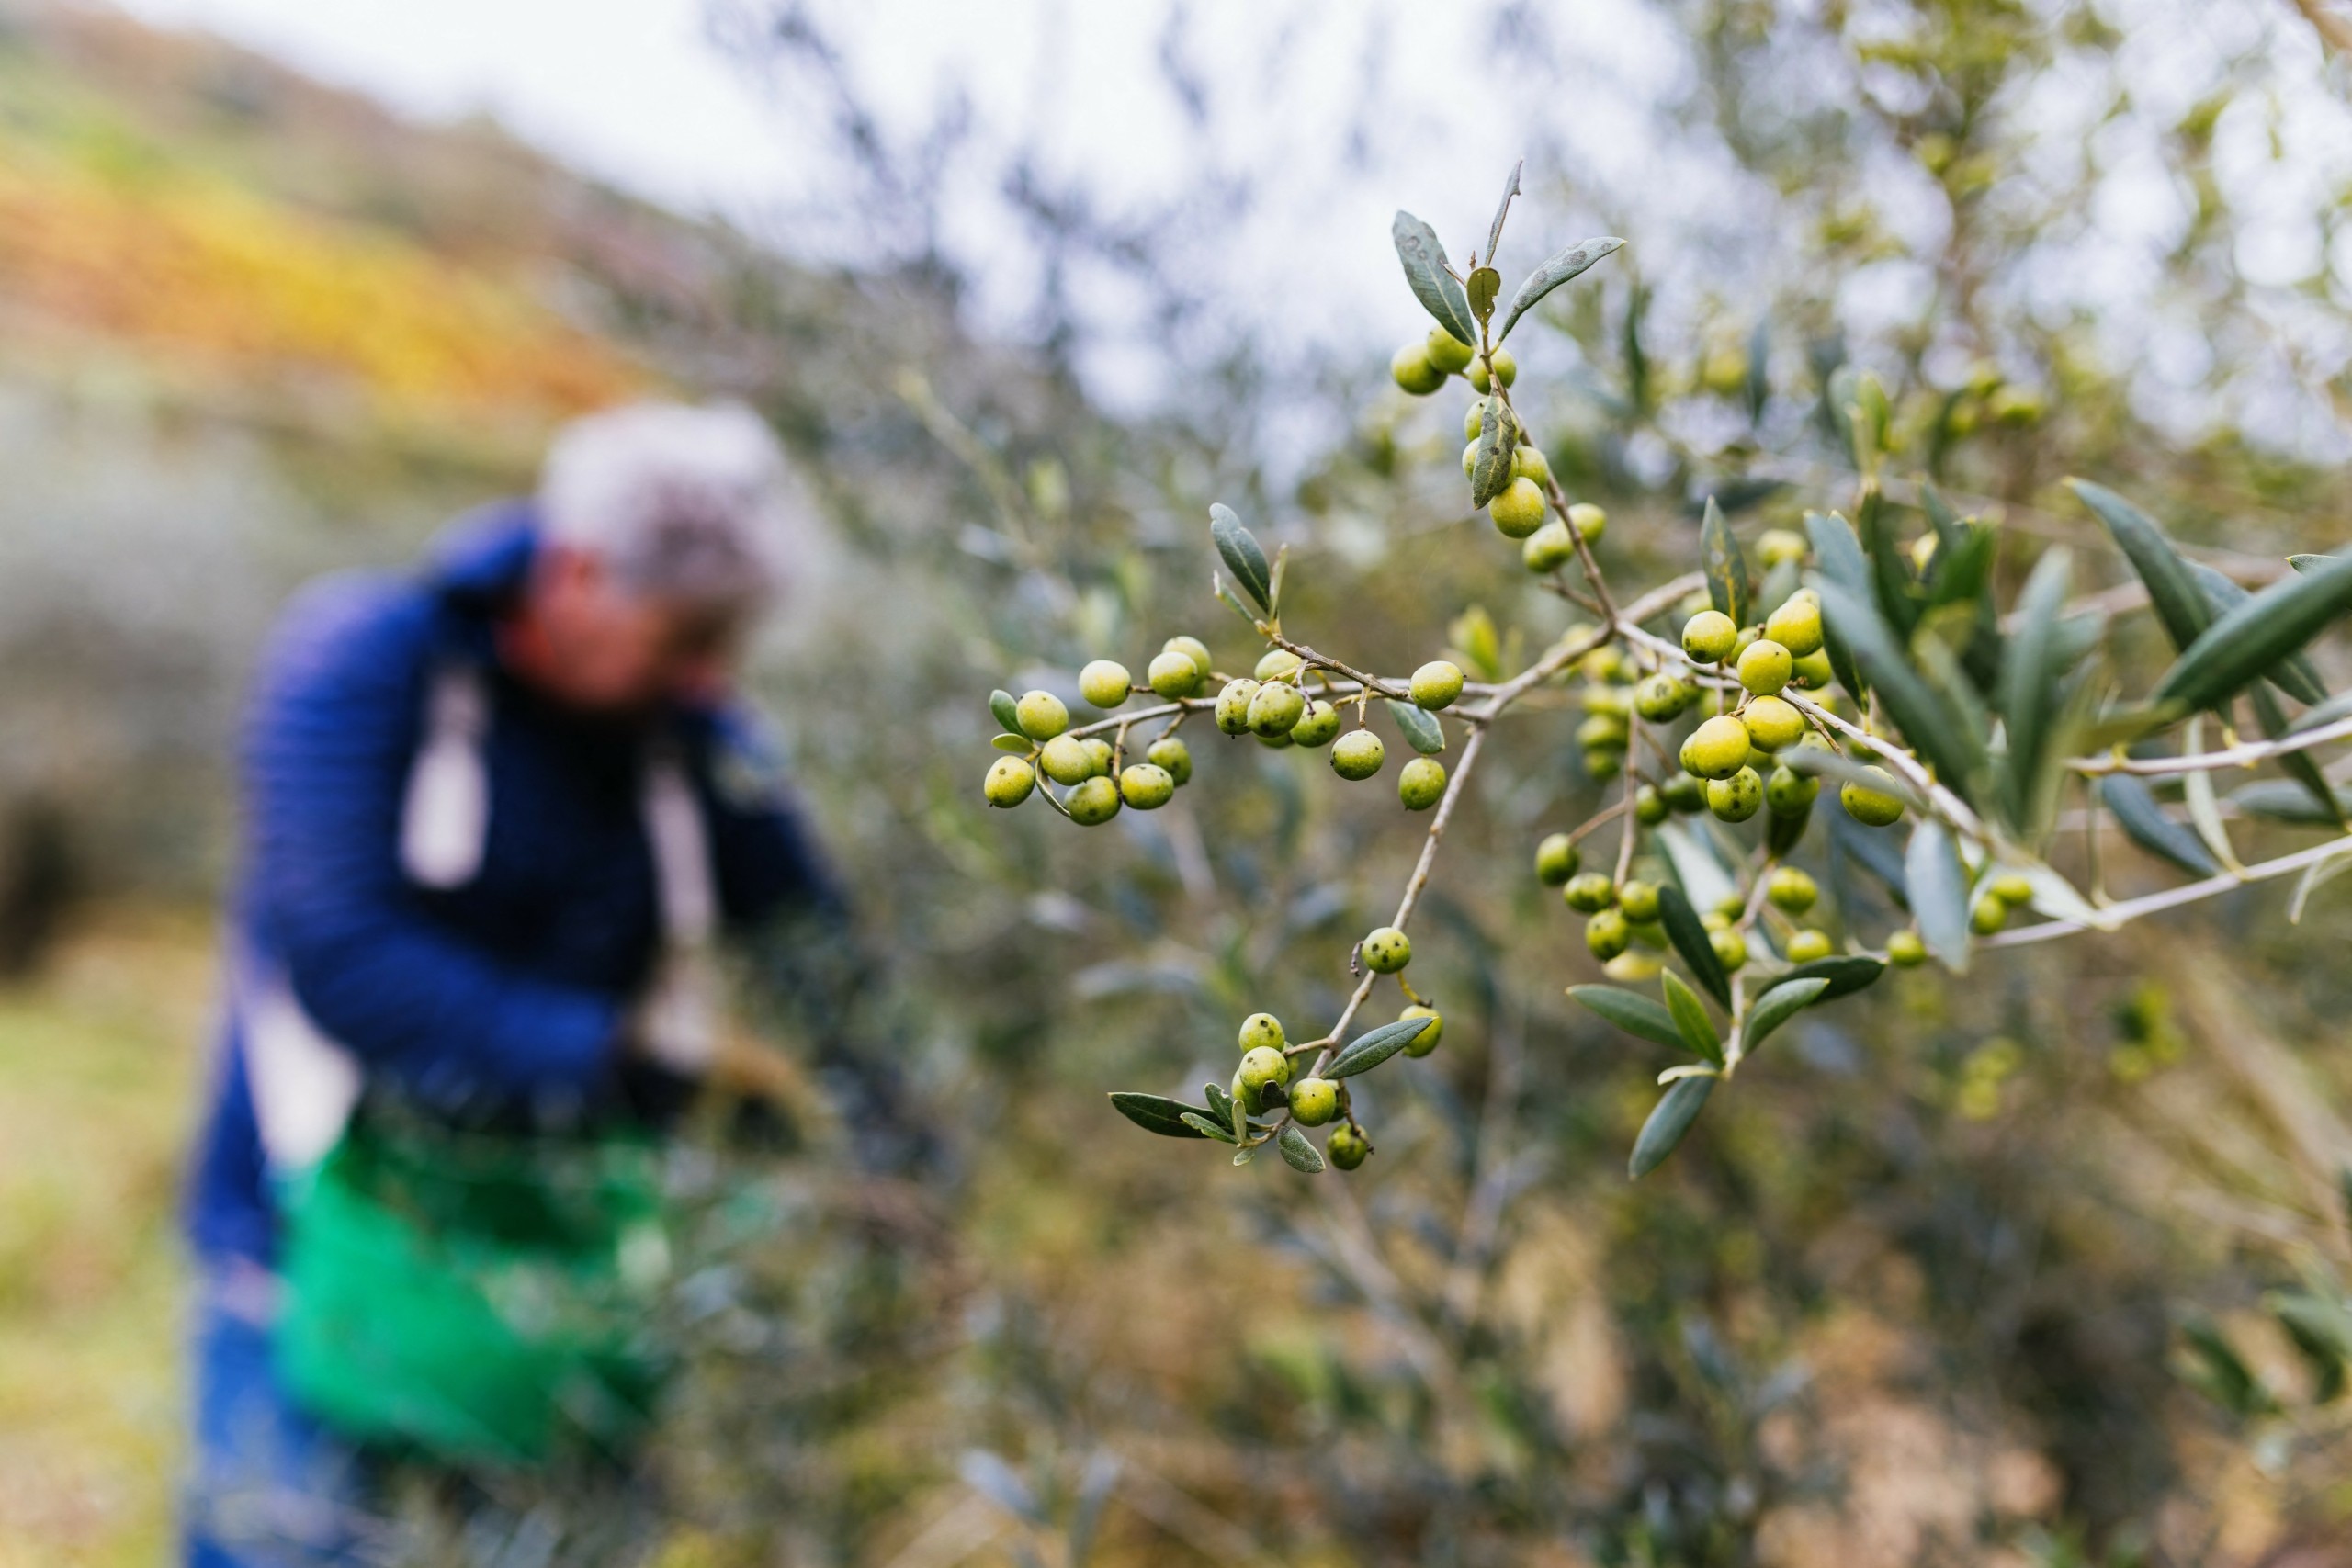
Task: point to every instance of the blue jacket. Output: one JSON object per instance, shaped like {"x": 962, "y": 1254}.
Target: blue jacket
{"x": 511, "y": 988}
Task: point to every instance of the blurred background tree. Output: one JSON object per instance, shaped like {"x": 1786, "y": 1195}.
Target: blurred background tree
{"x": 1981, "y": 1273}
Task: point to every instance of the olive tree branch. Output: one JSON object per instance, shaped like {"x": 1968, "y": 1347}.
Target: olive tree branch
{"x": 2173, "y": 898}
{"x": 2245, "y": 755}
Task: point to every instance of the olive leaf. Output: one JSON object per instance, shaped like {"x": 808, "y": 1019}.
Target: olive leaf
{"x": 1225, "y": 597}
{"x": 2173, "y": 591}
{"x": 1691, "y": 1017}
{"x": 1205, "y": 1128}
{"x": 2282, "y": 800}
{"x": 1157, "y": 1113}
{"x": 1844, "y": 975}
{"x": 1503, "y": 211}
{"x": 1868, "y": 847}
{"x": 1564, "y": 265}
{"x": 2252, "y": 639}
{"x": 1419, "y": 726}
{"x": 1684, "y": 929}
{"x": 1485, "y": 283}
{"x": 1498, "y": 441}
{"x": 2307, "y": 563}
{"x": 1432, "y": 281}
{"x": 1939, "y": 887}
{"x": 2299, "y": 764}
{"x": 2328, "y": 711}
{"x": 1815, "y": 762}
{"x": 2295, "y": 676}
{"x": 1242, "y": 556}
{"x": 1779, "y": 1005}
{"x": 1631, "y": 1011}
{"x": 1019, "y": 745}
{"x": 1725, "y": 568}
{"x": 1296, "y": 1152}
{"x": 1676, "y": 1109}
{"x": 1892, "y": 586}
{"x": 1919, "y": 710}
{"x": 2029, "y": 690}
{"x": 2134, "y": 806}
{"x": 1368, "y": 1050}
{"x": 1838, "y": 554}
{"x": 1006, "y": 711}
{"x": 1757, "y": 386}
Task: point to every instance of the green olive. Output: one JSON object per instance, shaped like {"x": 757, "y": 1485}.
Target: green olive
{"x": 1436, "y": 684}
{"x": 1775, "y": 547}
{"x": 1413, "y": 371}
{"x": 1731, "y": 949}
{"x": 1807, "y": 946}
{"x": 1262, "y": 1028}
{"x": 1607, "y": 934}
{"x": 1796, "y": 625}
{"x": 2012, "y": 888}
{"x": 1145, "y": 787}
{"x": 1277, "y": 663}
{"x": 1871, "y": 807}
{"x": 1548, "y": 548}
{"x": 1421, "y": 783}
{"x": 1066, "y": 760}
{"x": 1708, "y": 635}
{"x": 1906, "y": 951}
{"x": 1346, "y": 1147}
{"x": 1589, "y": 892}
{"x": 1275, "y": 709}
{"x": 1527, "y": 463}
{"x": 1193, "y": 647}
{"x": 1093, "y": 802}
{"x": 1790, "y": 890}
{"x": 1010, "y": 782}
{"x": 1041, "y": 715}
{"x": 1104, "y": 682}
{"x": 1317, "y": 726}
{"x": 1639, "y": 900}
{"x": 1649, "y": 806}
{"x": 1505, "y": 370}
{"x": 1424, "y": 1042}
{"x": 1684, "y": 792}
{"x": 1264, "y": 1066}
{"x": 1173, "y": 673}
{"x": 1171, "y": 753}
{"x": 1588, "y": 521}
{"x": 1233, "y": 706}
{"x": 1099, "y": 756}
{"x": 1717, "y": 749}
{"x": 1989, "y": 915}
{"x": 1314, "y": 1101}
{"x": 1519, "y": 511}
{"x": 1448, "y": 352}
{"x": 1813, "y": 670}
{"x": 1357, "y": 754}
{"x": 1771, "y": 722}
{"x": 1660, "y": 698}
{"x": 1387, "y": 950}
{"x": 1788, "y": 793}
{"x": 1764, "y": 667}
{"x": 1736, "y": 798}
{"x": 1556, "y": 858}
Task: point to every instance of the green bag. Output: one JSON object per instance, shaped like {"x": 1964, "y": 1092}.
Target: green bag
{"x": 478, "y": 1297}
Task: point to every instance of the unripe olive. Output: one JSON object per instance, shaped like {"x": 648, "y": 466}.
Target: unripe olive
{"x": 1387, "y": 950}
{"x": 1093, "y": 802}
{"x": 1473, "y": 422}
{"x": 1193, "y": 649}
{"x": 1906, "y": 951}
{"x": 1988, "y": 914}
{"x": 1589, "y": 520}
{"x": 1790, "y": 890}
{"x": 1660, "y": 698}
{"x": 1736, "y": 798}
{"x": 1808, "y": 946}
{"x": 1614, "y": 701}
{"x": 1548, "y": 548}
{"x": 1715, "y": 920}
{"x": 1733, "y": 904}
{"x": 1607, "y": 934}
{"x": 1357, "y": 754}
{"x": 1314, "y": 1101}
{"x": 1413, "y": 371}
{"x": 1717, "y": 749}
{"x": 1604, "y": 763}
{"x": 2012, "y": 888}
{"x": 1104, "y": 682}
{"x": 1436, "y": 684}
{"x": 1601, "y": 731}
{"x": 1275, "y": 709}
{"x": 1282, "y": 743}
{"x": 1041, "y": 715}
{"x": 1527, "y": 463}
{"x": 1519, "y": 510}
{"x": 1764, "y": 667}
{"x": 1277, "y": 662}
{"x": 1731, "y": 949}
{"x": 1262, "y": 1028}
{"x": 1771, "y": 723}
{"x": 1424, "y": 1042}
{"x": 1788, "y": 793}
{"x": 1099, "y": 756}
{"x": 1010, "y": 782}
{"x": 1556, "y": 858}
{"x": 1604, "y": 663}
{"x": 1470, "y": 461}
{"x": 1346, "y": 1147}
{"x": 1506, "y": 369}
{"x": 1589, "y": 894}
{"x": 1796, "y": 625}
{"x": 1684, "y": 792}
{"x": 1263, "y": 1066}
{"x": 1252, "y": 1100}
{"x": 1813, "y": 670}
{"x": 1173, "y": 673}
{"x": 1171, "y": 753}
{"x": 1775, "y": 545}
{"x": 1317, "y": 726}
{"x": 1871, "y": 807}
{"x": 1233, "y": 706}
{"x": 1639, "y": 900}
{"x": 1421, "y": 783}
{"x": 1145, "y": 787}
{"x": 1708, "y": 635}
{"x": 1649, "y": 806}
{"x": 1066, "y": 761}
{"x": 1448, "y": 352}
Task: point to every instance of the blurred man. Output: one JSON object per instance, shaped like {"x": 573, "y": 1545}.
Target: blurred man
{"x": 493, "y": 812}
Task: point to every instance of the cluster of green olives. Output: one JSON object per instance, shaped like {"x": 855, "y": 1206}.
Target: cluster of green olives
{"x": 1520, "y": 509}
{"x": 1087, "y": 766}
{"x": 1263, "y": 1083}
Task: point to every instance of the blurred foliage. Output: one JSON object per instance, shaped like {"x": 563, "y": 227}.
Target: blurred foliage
{"x": 1918, "y": 1295}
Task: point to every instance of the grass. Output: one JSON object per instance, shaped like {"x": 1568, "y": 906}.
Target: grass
{"x": 101, "y": 1062}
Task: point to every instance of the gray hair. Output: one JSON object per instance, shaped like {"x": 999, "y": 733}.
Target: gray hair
{"x": 685, "y": 502}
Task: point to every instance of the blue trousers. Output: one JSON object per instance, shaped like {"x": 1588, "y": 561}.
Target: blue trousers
{"x": 267, "y": 1486}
